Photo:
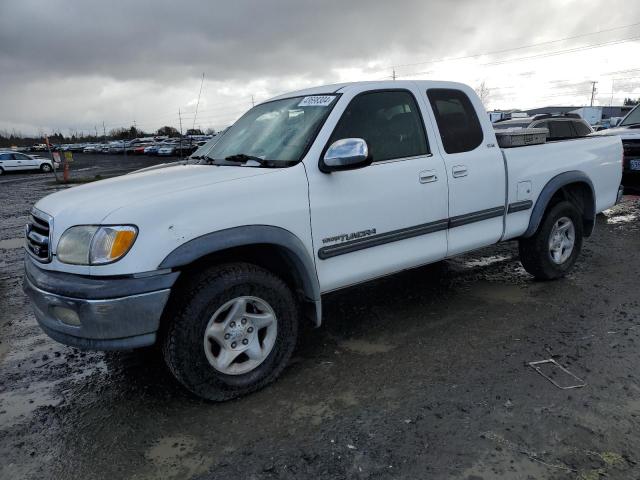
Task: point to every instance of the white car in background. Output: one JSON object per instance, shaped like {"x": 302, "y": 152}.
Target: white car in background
{"x": 14, "y": 161}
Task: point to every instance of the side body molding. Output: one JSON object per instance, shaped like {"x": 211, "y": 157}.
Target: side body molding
{"x": 555, "y": 184}
{"x": 290, "y": 245}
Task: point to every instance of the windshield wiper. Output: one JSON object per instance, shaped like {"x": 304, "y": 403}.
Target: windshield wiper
{"x": 243, "y": 157}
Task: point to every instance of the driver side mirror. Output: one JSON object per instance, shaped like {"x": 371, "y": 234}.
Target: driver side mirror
{"x": 345, "y": 154}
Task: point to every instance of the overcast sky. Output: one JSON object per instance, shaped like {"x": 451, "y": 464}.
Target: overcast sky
{"x": 70, "y": 65}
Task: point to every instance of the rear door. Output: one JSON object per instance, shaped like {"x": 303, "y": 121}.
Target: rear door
{"x": 475, "y": 169}
{"x": 7, "y": 162}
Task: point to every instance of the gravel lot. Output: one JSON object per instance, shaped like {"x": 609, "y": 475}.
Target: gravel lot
{"x": 422, "y": 375}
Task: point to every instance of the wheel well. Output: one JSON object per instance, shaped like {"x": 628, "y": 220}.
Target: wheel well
{"x": 580, "y": 195}
{"x": 270, "y": 257}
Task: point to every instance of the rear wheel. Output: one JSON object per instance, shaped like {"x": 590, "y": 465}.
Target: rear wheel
{"x": 45, "y": 168}
{"x": 1, "y": 171}
{"x": 231, "y": 331}
{"x": 552, "y": 251}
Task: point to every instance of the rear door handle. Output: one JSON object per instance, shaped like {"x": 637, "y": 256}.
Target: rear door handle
{"x": 428, "y": 176}
{"x": 459, "y": 171}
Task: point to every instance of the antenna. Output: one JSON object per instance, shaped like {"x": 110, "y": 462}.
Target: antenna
{"x": 198, "y": 103}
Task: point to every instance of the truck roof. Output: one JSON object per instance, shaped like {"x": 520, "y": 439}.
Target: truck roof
{"x": 374, "y": 85}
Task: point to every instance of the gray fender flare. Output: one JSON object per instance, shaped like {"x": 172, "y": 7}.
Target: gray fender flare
{"x": 290, "y": 244}
{"x": 555, "y": 184}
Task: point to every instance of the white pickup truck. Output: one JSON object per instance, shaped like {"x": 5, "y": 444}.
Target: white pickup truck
{"x": 310, "y": 192}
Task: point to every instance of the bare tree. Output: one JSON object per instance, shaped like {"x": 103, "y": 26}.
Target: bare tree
{"x": 483, "y": 92}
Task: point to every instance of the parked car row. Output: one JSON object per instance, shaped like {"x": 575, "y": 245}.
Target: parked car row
{"x": 163, "y": 146}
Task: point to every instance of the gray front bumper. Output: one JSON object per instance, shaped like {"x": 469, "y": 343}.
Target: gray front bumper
{"x": 122, "y": 322}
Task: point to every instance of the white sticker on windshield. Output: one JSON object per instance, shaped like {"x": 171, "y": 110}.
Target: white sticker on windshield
{"x": 317, "y": 101}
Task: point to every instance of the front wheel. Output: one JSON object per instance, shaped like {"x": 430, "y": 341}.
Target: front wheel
{"x": 231, "y": 331}
{"x": 552, "y": 251}
{"x": 45, "y": 168}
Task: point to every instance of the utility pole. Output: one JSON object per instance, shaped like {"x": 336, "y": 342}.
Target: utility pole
{"x": 593, "y": 91}
{"x": 104, "y": 132}
{"x": 393, "y": 74}
{"x": 253, "y": 103}
{"x": 180, "y": 117}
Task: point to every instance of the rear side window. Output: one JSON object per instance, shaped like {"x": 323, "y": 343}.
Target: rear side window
{"x": 457, "y": 120}
{"x": 559, "y": 129}
{"x": 581, "y": 129}
{"x": 6, "y": 156}
{"x": 390, "y": 123}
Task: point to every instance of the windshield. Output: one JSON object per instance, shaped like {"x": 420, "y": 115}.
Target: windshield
{"x": 277, "y": 132}
{"x": 632, "y": 118}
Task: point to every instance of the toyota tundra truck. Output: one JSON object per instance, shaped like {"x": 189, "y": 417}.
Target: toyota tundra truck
{"x": 219, "y": 263}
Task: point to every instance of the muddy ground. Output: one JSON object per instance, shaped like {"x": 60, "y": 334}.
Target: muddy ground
{"x": 422, "y": 375}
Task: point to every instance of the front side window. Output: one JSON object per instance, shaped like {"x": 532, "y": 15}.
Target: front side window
{"x": 581, "y": 129}
{"x": 457, "y": 120}
{"x": 390, "y": 123}
{"x": 632, "y": 118}
{"x": 277, "y": 132}
{"x": 21, "y": 156}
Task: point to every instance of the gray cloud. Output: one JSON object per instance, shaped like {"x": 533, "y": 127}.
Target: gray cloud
{"x": 118, "y": 60}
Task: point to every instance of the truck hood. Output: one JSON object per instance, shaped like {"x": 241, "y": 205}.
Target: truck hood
{"x": 92, "y": 202}
{"x": 626, "y": 132}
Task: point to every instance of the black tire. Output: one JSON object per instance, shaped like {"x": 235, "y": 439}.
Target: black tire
{"x": 190, "y": 312}
{"x": 45, "y": 168}
{"x": 534, "y": 251}
{"x": 1, "y": 171}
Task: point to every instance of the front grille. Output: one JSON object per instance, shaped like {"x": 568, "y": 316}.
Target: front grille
{"x": 38, "y": 233}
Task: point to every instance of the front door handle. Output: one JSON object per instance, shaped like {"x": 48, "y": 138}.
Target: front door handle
{"x": 459, "y": 171}
{"x": 428, "y": 176}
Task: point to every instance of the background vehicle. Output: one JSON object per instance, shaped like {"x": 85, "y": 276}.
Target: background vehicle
{"x": 561, "y": 127}
{"x": 629, "y": 132}
{"x": 15, "y": 161}
{"x": 311, "y": 192}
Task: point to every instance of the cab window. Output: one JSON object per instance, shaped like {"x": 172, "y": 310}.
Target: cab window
{"x": 457, "y": 120}
{"x": 390, "y": 123}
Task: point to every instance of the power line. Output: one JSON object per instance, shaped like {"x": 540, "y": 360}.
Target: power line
{"x": 494, "y": 52}
{"x": 542, "y": 55}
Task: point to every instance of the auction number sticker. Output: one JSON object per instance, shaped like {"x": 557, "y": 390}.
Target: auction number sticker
{"x": 317, "y": 101}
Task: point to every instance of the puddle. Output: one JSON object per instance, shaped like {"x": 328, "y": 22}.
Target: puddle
{"x": 16, "y": 404}
{"x": 176, "y": 457}
{"x": 11, "y": 243}
{"x": 500, "y": 292}
{"x": 366, "y": 348}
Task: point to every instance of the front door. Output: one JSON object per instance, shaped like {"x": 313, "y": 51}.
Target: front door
{"x": 475, "y": 170}
{"x": 24, "y": 162}
{"x": 385, "y": 217}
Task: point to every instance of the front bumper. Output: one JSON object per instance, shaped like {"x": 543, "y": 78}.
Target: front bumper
{"x": 98, "y": 313}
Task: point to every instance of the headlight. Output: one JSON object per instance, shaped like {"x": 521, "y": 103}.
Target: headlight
{"x": 94, "y": 245}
